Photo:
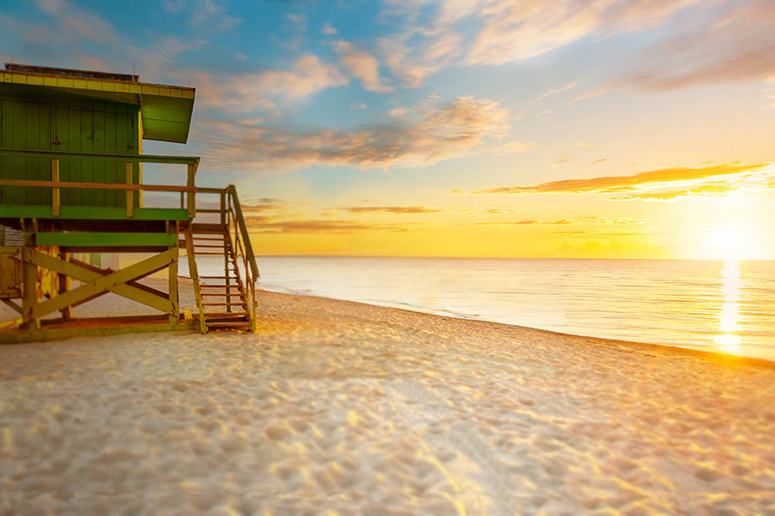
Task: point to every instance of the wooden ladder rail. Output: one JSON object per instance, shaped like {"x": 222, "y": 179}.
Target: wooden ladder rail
{"x": 240, "y": 285}
{"x": 195, "y": 277}
{"x": 244, "y": 247}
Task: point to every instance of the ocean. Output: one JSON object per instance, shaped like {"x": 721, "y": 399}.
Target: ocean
{"x": 710, "y": 305}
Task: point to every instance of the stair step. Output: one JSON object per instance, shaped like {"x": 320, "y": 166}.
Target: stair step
{"x": 233, "y": 285}
{"x": 224, "y": 315}
{"x": 228, "y": 324}
{"x": 222, "y": 294}
{"x": 239, "y": 303}
{"x": 205, "y": 246}
{"x": 208, "y": 229}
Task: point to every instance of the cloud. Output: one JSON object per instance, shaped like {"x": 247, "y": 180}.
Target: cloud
{"x": 76, "y": 22}
{"x": 593, "y": 94}
{"x": 396, "y": 210}
{"x": 514, "y": 31}
{"x": 706, "y": 190}
{"x": 328, "y": 29}
{"x": 439, "y": 33}
{"x": 637, "y": 182}
{"x": 731, "y": 44}
{"x": 581, "y": 221}
{"x": 208, "y": 15}
{"x": 240, "y": 93}
{"x": 598, "y": 161}
{"x": 358, "y": 106}
{"x": 339, "y": 227}
{"x": 363, "y": 66}
{"x": 513, "y": 148}
{"x": 412, "y": 63}
{"x": 427, "y": 135}
{"x": 528, "y": 222}
{"x": 554, "y": 92}
{"x": 586, "y": 145}
{"x": 266, "y": 204}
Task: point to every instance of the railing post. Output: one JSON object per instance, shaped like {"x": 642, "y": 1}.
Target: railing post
{"x": 55, "y": 199}
{"x": 65, "y": 283}
{"x": 130, "y": 200}
{"x": 191, "y": 195}
{"x": 30, "y": 289}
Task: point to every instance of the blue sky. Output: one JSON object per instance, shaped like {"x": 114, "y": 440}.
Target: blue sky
{"x": 316, "y": 107}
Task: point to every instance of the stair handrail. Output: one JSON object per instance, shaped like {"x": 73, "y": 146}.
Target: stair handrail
{"x": 239, "y": 219}
{"x": 243, "y": 246}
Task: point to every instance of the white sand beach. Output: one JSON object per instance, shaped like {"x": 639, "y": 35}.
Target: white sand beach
{"x": 345, "y": 408}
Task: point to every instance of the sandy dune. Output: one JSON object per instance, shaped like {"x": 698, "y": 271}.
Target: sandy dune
{"x": 344, "y": 408}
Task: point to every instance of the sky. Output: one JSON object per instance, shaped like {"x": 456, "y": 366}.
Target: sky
{"x": 466, "y": 128}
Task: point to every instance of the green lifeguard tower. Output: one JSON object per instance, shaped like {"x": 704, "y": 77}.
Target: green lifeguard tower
{"x": 71, "y": 182}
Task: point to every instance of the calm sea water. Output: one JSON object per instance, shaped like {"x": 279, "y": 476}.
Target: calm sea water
{"x": 712, "y": 305}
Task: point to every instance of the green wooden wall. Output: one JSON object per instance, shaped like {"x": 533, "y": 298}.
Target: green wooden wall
{"x": 73, "y": 125}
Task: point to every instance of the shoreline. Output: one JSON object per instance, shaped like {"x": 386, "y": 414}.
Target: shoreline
{"x": 355, "y": 408}
{"x": 716, "y": 355}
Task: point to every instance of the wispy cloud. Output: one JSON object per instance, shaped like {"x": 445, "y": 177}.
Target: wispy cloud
{"x": 733, "y": 43}
{"x": 337, "y": 227}
{"x": 595, "y": 220}
{"x": 328, "y": 29}
{"x": 260, "y": 90}
{"x": 592, "y": 94}
{"x": 687, "y": 178}
{"x": 395, "y": 210}
{"x": 422, "y": 137}
{"x": 362, "y": 66}
{"x": 567, "y": 87}
{"x": 207, "y": 15}
{"x": 413, "y": 63}
{"x": 513, "y": 148}
{"x": 75, "y": 22}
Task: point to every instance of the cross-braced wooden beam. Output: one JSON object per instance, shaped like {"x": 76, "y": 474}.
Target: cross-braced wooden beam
{"x": 100, "y": 282}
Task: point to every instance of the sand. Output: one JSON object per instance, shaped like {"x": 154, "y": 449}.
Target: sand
{"x": 345, "y": 408}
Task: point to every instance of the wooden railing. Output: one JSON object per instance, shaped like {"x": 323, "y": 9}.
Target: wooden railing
{"x": 56, "y": 184}
{"x": 232, "y": 217}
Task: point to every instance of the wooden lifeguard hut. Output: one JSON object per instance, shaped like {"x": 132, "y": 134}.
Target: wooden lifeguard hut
{"x": 71, "y": 182}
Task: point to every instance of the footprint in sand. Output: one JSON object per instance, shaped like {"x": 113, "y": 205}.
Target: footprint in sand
{"x": 707, "y": 475}
{"x": 277, "y": 433}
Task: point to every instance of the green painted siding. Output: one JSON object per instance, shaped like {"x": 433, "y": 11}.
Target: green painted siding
{"x": 74, "y": 125}
{"x": 25, "y": 125}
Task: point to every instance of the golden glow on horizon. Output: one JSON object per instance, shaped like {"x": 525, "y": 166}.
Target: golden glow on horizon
{"x": 734, "y": 242}
{"x": 729, "y": 318}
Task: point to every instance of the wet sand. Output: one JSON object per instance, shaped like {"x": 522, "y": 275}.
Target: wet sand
{"x": 346, "y": 408}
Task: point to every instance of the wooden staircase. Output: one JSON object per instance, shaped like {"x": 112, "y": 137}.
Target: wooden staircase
{"x": 226, "y": 300}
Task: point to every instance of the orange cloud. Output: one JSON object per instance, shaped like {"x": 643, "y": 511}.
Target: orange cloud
{"x": 399, "y": 210}
{"x": 265, "y": 225}
{"x": 651, "y": 179}
{"x": 583, "y": 220}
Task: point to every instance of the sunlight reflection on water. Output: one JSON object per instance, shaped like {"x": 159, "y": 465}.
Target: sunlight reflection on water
{"x": 729, "y": 318}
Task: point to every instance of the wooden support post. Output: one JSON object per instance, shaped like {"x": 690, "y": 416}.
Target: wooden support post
{"x": 65, "y": 282}
{"x": 225, "y": 250}
{"x": 191, "y": 195}
{"x": 173, "y": 282}
{"x": 55, "y": 199}
{"x": 130, "y": 197}
{"x": 195, "y": 277}
{"x": 30, "y": 286}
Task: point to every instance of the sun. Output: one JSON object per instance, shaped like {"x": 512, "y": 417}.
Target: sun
{"x": 734, "y": 242}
